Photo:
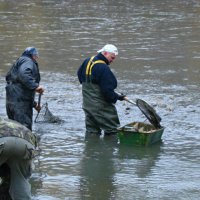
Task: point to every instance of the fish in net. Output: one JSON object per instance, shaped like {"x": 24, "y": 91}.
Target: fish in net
{"x": 45, "y": 115}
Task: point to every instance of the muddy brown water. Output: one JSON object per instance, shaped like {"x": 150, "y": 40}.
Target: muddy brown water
{"x": 159, "y": 54}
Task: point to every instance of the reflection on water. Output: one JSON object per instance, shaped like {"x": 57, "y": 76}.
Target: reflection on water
{"x": 97, "y": 168}
{"x": 104, "y": 162}
{"x": 158, "y": 61}
{"x": 145, "y": 158}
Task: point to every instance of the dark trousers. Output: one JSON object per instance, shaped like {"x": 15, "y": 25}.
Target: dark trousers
{"x": 20, "y": 112}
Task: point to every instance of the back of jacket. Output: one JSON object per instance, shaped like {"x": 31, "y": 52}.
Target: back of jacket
{"x": 22, "y": 80}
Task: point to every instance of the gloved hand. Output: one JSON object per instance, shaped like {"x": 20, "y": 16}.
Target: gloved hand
{"x": 37, "y": 107}
{"x": 121, "y": 96}
{"x": 39, "y": 89}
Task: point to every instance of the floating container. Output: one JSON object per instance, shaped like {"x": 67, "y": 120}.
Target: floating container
{"x": 140, "y": 133}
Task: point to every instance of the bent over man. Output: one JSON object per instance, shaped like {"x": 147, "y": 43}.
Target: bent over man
{"x": 98, "y": 85}
{"x": 17, "y": 149}
{"x": 22, "y": 82}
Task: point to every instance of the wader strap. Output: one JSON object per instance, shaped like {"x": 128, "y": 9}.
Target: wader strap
{"x": 90, "y": 66}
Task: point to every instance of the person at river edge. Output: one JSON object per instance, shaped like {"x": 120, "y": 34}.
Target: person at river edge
{"x": 17, "y": 149}
{"x": 98, "y": 85}
{"x": 22, "y": 83}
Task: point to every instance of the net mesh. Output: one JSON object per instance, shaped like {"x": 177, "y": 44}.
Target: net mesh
{"x": 149, "y": 112}
{"x": 45, "y": 115}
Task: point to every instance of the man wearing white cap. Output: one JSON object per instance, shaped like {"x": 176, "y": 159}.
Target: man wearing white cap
{"x": 98, "y": 85}
{"x": 22, "y": 83}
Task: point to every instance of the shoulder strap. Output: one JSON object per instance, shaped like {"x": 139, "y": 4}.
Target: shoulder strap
{"x": 91, "y": 64}
{"x": 88, "y": 65}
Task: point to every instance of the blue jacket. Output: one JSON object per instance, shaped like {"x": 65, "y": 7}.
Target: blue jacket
{"x": 102, "y": 76}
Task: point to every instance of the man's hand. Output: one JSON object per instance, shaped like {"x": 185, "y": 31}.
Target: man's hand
{"x": 37, "y": 107}
{"x": 121, "y": 97}
{"x": 39, "y": 89}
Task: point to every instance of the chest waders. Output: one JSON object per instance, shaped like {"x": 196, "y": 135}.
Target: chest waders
{"x": 100, "y": 115}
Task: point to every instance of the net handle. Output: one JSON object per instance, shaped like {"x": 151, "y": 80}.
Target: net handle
{"x": 39, "y": 99}
{"x": 130, "y": 101}
{"x": 39, "y": 102}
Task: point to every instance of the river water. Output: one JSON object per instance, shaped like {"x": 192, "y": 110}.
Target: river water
{"x": 159, "y": 55}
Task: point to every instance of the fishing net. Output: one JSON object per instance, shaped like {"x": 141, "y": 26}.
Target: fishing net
{"x": 45, "y": 115}
{"x": 149, "y": 112}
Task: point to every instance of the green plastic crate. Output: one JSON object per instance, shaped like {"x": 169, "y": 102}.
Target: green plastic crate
{"x": 139, "y": 133}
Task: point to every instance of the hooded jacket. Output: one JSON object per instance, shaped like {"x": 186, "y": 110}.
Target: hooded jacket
{"x": 22, "y": 79}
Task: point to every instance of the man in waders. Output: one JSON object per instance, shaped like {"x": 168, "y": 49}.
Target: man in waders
{"x": 22, "y": 83}
{"x": 98, "y": 85}
{"x": 17, "y": 149}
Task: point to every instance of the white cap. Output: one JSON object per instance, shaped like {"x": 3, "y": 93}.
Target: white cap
{"x": 109, "y": 48}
